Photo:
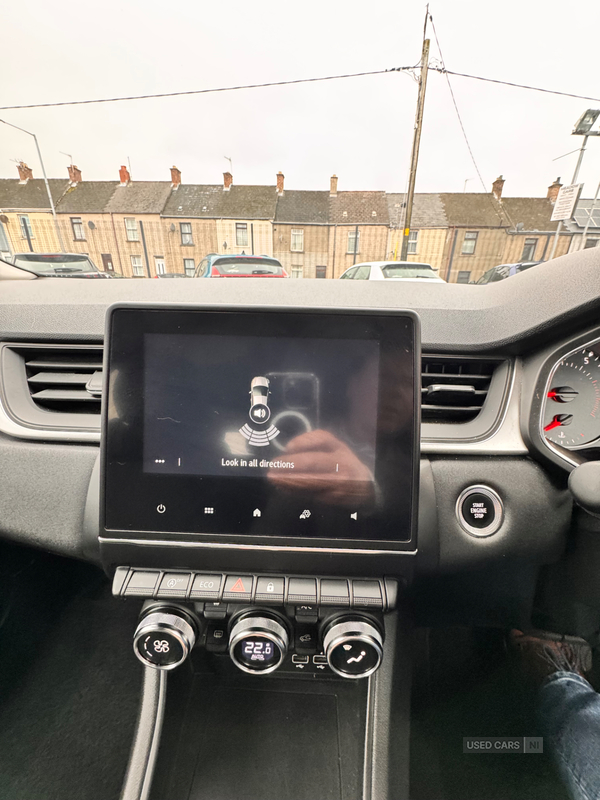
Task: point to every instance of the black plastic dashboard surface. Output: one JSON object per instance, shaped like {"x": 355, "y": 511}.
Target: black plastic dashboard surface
{"x": 507, "y": 316}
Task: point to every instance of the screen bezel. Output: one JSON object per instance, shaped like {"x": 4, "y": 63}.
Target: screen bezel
{"x": 178, "y": 318}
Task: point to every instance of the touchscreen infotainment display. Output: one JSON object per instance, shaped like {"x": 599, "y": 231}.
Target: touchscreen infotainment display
{"x": 261, "y": 424}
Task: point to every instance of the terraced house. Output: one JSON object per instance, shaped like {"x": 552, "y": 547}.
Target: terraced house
{"x": 146, "y": 228}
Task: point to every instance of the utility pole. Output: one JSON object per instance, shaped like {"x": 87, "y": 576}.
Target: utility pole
{"x": 414, "y": 159}
{"x": 589, "y": 219}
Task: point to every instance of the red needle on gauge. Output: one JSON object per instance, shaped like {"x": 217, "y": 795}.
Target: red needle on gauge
{"x": 558, "y": 421}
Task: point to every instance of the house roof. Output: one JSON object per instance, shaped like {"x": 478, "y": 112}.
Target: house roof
{"x": 210, "y": 201}
{"x": 31, "y": 195}
{"x": 87, "y": 197}
{"x": 480, "y": 210}
{"x": 428, "y": 211}
{"x": 303, "y": 207}
{"x": 350, "y": 208}
{"x": 139, "y": 197}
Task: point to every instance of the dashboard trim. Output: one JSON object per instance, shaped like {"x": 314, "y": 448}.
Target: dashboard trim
{"x": 233, "y": 546}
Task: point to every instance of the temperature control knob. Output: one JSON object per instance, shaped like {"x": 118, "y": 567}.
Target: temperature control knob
{"x": 354, "y": 647}
{"x": 258, "y": 643}
{"x": 164, "y": 637}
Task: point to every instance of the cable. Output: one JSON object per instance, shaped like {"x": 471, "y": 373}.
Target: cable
{"x": 462, "y": 127}
{"x": 514, "y": 85}
{"x": 204, "y": 91}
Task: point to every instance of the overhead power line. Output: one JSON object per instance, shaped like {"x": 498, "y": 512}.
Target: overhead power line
{"x": 409, "y": 69}
{"x": 205, "y": 91}
{"x": 515, "y": 85}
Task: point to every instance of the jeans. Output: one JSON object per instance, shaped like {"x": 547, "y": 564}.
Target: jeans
{"x": 569, "y": 712}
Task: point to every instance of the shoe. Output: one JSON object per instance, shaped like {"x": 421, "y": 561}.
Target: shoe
{"x": 542, "y": 653}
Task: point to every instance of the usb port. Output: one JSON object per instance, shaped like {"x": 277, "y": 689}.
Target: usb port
{"x": 300, "y": 659}
{"x": 319, "y": 659}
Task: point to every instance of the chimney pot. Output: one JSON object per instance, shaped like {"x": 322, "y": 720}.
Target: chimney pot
{"x": 497, "y": 187}
{"x": 333, "y": 186}
{"x": 175, "y": 177}
{"x": 124, "y": 176}
{"x": 74, "y": 174}
{"x": 25, "y": 172}
{"x": 227, "y": 181}
{"x": 280, "y": 179}
{"x": 553, "y": 191}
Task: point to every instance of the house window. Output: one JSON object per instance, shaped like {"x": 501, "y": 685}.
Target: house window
{"x": 137, "y": 266}
{"x": 589, "y": 243}
{"x": 189, "y": 267}
{"x": 463, "y": 276}
{"x": 186, "y": 232}
{"x": 297, "y": 272}
{"x": 321, "y": 272}
{"x": 529, "y": 250}
{"x": 4, "y": 245}
{"x": 26, "y": 229}
{"x": 78, "y": 229}
{"x": 353, "y": 242}
{"x": 297, "y": 245}
{"x": 131, "y": 229}
{"x": 469, "y": 242}
{"x": 413, "y": 238}
{"x": 107, "y": 262}
{"x": 241, "y": 234}
{"x": 159, "y": 265}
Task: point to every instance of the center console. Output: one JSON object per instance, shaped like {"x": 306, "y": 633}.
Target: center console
{"x": 259, "y": 500}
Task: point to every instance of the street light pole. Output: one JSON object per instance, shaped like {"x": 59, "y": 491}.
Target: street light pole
{"x": 39, "y": 152}
{"x": 589, "y": 219}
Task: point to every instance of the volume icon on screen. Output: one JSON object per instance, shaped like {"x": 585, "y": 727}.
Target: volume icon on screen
{"x": 354, "y": 516}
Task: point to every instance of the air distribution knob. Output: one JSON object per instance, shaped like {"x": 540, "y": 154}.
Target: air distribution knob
{"x": 258, "y": 643}
{"x": 353, "y": 646}
{"x": 164, "y": 637}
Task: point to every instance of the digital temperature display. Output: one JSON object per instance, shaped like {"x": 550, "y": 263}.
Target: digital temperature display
{"x": 257, "y": 653}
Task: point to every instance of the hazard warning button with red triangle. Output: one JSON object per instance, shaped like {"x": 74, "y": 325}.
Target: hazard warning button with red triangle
{"x": 238, "y": 587}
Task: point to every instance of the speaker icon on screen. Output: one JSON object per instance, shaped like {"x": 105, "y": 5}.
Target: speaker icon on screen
{"x": 354, "y": 516}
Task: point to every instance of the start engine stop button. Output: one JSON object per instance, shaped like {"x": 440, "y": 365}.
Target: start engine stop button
{"x": 479, "y": 510}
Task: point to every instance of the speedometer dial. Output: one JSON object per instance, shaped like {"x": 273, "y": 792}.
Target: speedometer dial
{"x": 572, "y": 407}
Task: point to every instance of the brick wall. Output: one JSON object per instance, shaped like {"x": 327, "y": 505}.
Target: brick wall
{"x": 315, "y": 253}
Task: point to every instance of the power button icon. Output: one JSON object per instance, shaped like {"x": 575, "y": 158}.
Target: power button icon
{"x": 161, "y": 508}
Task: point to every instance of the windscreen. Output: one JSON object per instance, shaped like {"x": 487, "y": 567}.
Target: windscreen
{"x": 408, "y": 271}
{"x": 251, "y": 266}
{"x": 54, "y": 263}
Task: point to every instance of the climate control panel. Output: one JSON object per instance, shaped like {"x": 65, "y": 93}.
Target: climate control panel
{"x": 298, "y": 629}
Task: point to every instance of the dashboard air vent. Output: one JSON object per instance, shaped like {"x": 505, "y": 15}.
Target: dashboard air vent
{"x": 454, "y": 389}
{"x": 64, "y": 379}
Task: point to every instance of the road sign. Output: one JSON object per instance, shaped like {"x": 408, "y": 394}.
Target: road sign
{"x": 566, "y": 201}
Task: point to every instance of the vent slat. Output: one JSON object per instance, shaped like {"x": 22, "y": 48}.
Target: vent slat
{"x": 64, "y": 364}
{"x": 454, "y": 390}
{"x": 79, "y": 395}
{"x": 59, "y": 377}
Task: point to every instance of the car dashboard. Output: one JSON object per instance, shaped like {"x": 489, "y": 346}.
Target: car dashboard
{"x": 505, "y": 406}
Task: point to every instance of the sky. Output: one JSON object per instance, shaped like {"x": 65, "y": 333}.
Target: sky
{"x": 358, "y": 128}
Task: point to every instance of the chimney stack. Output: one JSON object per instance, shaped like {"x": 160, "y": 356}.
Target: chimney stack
{"x": 553, "y": 191}
{"x": 280, "y": 178}
{"x": 124, "y": 176}
{"x": 74, "y": 175}
{"x": 333, "y": 186}
{"x": 175, "y": 177}
{"x": 25, "y": 173}
{"x": 497, "y": 187}
{"x": 227, "y": 181}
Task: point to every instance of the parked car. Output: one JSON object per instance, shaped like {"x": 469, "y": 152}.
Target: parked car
{"x": 171, "y": 275}
{"x": 502, "y": 271}
{"x": 240, "y": 266}
{"x": 59, "y": 265}
{"x": 393, "y": 271}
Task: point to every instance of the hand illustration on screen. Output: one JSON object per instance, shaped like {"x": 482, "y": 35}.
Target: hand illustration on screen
{"x": 326, "y": 467}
